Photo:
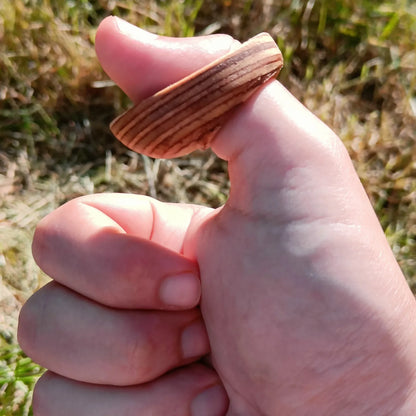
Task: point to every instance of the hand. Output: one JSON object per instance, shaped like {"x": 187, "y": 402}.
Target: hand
{"x": 305, "y": 308}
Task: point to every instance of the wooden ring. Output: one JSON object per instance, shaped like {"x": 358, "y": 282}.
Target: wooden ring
{"x": 186, "y": 115}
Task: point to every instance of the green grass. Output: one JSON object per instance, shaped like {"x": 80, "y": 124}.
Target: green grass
{"x": 18, "y": 375}
{"x": 353, "y": 64}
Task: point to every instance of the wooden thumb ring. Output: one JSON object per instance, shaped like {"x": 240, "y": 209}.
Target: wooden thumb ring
{"x": 186, "y": 115}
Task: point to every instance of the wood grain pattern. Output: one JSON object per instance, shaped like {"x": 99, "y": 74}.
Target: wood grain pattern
{"x": 186, "y": 115}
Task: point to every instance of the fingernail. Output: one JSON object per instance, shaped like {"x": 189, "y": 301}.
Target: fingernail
{"x": 181, "y": 291}
{"x": 211, "y": 402}
{"x": 133, "y": 31}
{"x": 194, "y": 340}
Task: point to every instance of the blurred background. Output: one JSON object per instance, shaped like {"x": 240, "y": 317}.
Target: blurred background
{"x": 352, "y": 63}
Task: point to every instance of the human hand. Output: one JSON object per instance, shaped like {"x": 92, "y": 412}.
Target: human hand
{"x": 306, "y": 310}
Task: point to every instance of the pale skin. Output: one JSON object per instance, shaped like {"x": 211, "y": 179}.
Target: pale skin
{"x": 303, "y": 308}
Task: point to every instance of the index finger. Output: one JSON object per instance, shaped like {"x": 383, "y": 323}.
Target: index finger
{"x": 125, "y": 251}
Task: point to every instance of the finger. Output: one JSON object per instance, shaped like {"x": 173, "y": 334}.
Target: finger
{"x": 121, "y": 250}
{"x": 192, "y": 391}
{"x": 134, "y": 58}
{"x": 274, "y": 145}
{"x": 127, "y": 347}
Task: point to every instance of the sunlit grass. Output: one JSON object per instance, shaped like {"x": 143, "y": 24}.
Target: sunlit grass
{"x": 18, "y": 375}
{"x": 352, "y": 63}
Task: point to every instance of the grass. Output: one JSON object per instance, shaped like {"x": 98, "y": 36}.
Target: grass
{"x": 18, "y": 375}
{"x": 352, "y": 64}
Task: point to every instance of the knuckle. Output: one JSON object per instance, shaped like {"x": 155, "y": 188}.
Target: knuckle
{"x": 41, "y": 397}
{"x": 28, "y": 324}
{"x": 39, "y": 243}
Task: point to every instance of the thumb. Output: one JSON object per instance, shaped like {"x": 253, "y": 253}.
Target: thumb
{"x": 142, "y": 63}
{"x": 273, "y": 143}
